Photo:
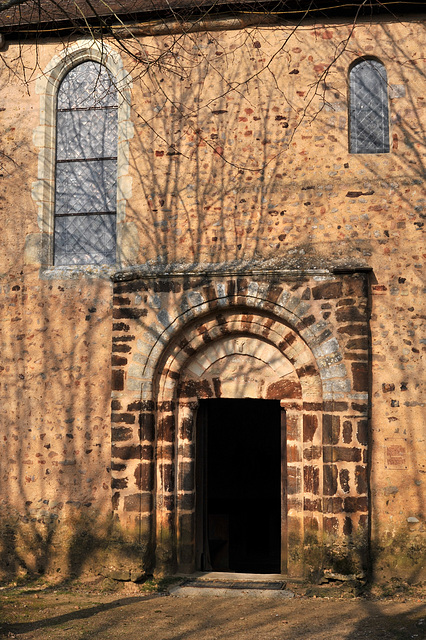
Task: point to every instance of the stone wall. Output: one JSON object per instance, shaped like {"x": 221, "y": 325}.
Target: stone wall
{"x": 300, "y": 340}
{"x": 237, "y": 167}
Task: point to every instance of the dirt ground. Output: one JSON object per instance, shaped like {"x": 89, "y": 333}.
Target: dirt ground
{"x": 130, "y": 612}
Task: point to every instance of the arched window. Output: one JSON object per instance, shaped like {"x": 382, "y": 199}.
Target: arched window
{"x": 86, "y": 167}
{"x": 369, "y": 112}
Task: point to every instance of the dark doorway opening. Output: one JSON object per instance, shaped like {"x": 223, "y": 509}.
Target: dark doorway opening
{"x": 239, "y": 491}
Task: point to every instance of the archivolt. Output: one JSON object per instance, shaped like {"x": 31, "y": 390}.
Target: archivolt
{"x": 248, "y": 333}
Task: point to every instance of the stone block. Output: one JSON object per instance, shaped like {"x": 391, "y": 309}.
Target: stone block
{"x": 312, "y": 504}
{"x": 144, "y": 476}
{"x": 293, "y": 453}
{"x": 360, "y": 376}
{"x": 293, "y": 427}
{"x": 117, "y": 380}
{"x": 119, "y": 483}
{"x": 353, "y": 504}
{"x": 187, "y": 476}
{"x": 167, "y": 472}
{"x": 125, "y": 418}
{"x": 330, "y": 479}
{"x": 331, "y": 429}
{"x": 311, "y": 479}
{"x": 333, "y": 505}
{"x": 362, "y": 432}
{"x": 119, "y": 434}
{"x": 347, "y": 432}
{"x": 147, "y": 426}
{"x": 131, "y": 452}
{"x": 294, "y": 480}
{"x": 361, "y": 479}
{"x": 166, "y": 427}
{"x": 327, "y": 291}
{"x": 310, "y": 425}
{"x": 331, "y": 526}
{"x": 342, "y": 454}
{"x": 312, "y": 453}
{"x": 344, "y": 480}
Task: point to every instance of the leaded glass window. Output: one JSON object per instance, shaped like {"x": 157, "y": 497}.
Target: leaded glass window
{"x": 369, "y": 112}
{"x": 86, "y": 167}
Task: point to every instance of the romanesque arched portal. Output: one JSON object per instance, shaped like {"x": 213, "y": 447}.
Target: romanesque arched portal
{"x": 298, "y": 341}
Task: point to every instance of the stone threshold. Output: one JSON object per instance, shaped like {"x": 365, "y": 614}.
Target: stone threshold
{"x": 230, "y": 584}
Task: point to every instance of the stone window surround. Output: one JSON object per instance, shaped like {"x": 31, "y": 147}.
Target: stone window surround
{"x": 392, "y": 89}
{"x": 40, "y": 249}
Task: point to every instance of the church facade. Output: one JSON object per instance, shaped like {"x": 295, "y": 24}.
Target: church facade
{"x": 212, "y": 290}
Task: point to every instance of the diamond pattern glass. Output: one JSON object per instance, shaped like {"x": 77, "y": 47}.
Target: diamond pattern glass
{"x": 86, "y": 168}
{"x": 86, "y": 187}
{"x": 369, "y": 113}
{"x": 85, "y": 240}
{"x": 88, "y": 86}
{"x": 86, "y": 134}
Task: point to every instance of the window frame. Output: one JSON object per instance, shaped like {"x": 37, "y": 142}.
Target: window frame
{"x": 62, "y": 163}
{"x": 40, "y": 246}
{"x": 351, "y": 110}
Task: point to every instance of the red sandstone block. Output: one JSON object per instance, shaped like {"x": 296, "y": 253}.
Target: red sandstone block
{"x": 360, "y": 376}
{"x": 147, "y": 426}
{"x": 118, "y": 301}
{"x": 342, "y": 454}
{"x": 351, "y": 314}
{"x": 126, "y": 453}
{"x": 117, "y": 380}
{"x": 120, "y": 434}
{"x": 330, "y": 479}
{"x": 121, "y": 348}
{"x": 312, "y": 453}
{"x": 347, "y": 526}
{"x": 331, "y": 525}
{"x": 293, "y": 453}
{"x": 327, "y": 291}
{"x": 129, "y": 314}
{"x": 353, "y": 329}
{"x": 294, "y": 484}
{"x": 118, "y": 483}
{"x": 167, "y": 472}
{"x": 347, "y": 432}
{"x": 310, "y": 425}
{"x": 127, "y": 418}
{"x": 195, "y": 389}
{"x": 333, "y": 505}
{"x": 314, "y": 504}
{"x": 141, "y": 503}
{"x": 293, "y": 428}
{"x": 311, "y": 479}
{"x": 355, "y": 285}
{"x": 361, "y": 479}
{"x": 284, "y": 389}
{"x": 331, "y": 429}
{"x": 362, "y": 431}
{"x": 144, "y": 476}
{"x": 166, "y": 427}
{"x": 353, "y": 504}
{"x": 344, "y": 480}
{"x": 166, "y": 286}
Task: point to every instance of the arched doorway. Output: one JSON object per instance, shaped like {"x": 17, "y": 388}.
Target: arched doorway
{"x": 244, "y": 357}
{"x": 182, "y": 341}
